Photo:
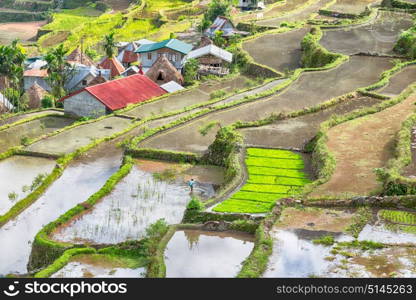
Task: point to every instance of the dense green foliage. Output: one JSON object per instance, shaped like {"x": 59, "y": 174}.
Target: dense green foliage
{"x": 314, "y": 55}
{"x": 216, "y": 8}
{"x": 273, "y": 174}
{"x": 406, "y": 45}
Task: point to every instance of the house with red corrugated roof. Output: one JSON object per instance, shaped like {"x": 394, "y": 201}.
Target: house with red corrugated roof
{"x": 101, "y": 99}
{"x": 112, "y": 64}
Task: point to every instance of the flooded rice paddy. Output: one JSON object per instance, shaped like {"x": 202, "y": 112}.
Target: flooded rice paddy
{"x": 151, "y": 191}
{"x": 297, "y": 254}
{"x": 80, "y": 180}
{"x": 19, "y": 173}
{"x": 194, "y": 253}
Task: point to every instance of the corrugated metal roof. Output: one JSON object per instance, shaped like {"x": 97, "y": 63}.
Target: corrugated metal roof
{"x": 82, "y": 71}
{"x": 119, "y": 93}
{"x": 210, "y": 49}
{"x": 173, "y": 44}
{"x": 4, "y": 102}
{"x": 172, "y": 86}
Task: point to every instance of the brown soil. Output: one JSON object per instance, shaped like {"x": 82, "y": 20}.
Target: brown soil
{"x": 118, "y": 4}
{"x": 378, "y": 37}
{"x": 311, "y": 89}
{"x": 298, "y": 15}
{"x": 316, "y": 219}
{"x": 24, "y": 31}
{"x": 400, "y": 81}
{"x": 361, "y": 145}
{"x": 278, "y": 51}
{"x": 297, "y": 132}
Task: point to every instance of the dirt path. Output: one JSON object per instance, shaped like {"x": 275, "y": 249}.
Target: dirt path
{"x": 279, "y": 51}
{"x": 361, "y": 145}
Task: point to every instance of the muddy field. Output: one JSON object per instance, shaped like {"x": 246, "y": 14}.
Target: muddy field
{"x": 309, "y": 90}
{"x": 296, "y": 16}
{"x": 283, "y": 58}
{"x": 24, "y": 31}
{"x": 16, "y": 135}
{"x": 361, "y": 145}
{"x": 399, "y": 81}
{"x": 297, "y": 132}
{"x": 87, "y": 174}
{"x": 378, "y": 37}
{"x": 351, "y": 6}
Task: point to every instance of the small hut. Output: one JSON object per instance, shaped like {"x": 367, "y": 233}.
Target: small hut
{"x": 35, "y": 95}
{"x": 163, "y": 71}
{"x": 112, "y": 64}
{"x": 79, "y": 57}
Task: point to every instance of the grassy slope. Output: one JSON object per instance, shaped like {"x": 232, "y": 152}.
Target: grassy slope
{"x": 86, "y": 23}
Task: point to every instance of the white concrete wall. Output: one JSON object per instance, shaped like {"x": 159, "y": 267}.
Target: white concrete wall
{"x": 84, "y": 105}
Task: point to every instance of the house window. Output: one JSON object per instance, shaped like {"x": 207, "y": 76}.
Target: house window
{"x": 174, "y": 57}
{"x": 149, "y": 56}
{"x": 84, "y": 82}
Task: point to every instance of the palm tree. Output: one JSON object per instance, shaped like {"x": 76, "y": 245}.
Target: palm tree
{"x": 109, "y": 45}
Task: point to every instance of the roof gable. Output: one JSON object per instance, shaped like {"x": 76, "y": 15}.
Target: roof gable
{"x": 212, "y": 50}
{"x": 173, "y": 44}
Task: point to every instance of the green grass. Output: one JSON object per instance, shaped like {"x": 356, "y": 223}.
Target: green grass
{"x": 273, "y": 174}
{"x": 68, "y": 19}
{"x": 396, "y": 216}
{"x": 157, "y": 5}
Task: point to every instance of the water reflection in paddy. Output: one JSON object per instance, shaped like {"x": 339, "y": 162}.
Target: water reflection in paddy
{"x": 193, "y": 253}
{"x": 80, "y": 180}
{"x": 17, "y": 172}
{"x": 139, "y": 200}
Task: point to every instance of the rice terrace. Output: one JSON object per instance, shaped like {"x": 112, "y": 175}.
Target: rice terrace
{"x": 208, "y": 138}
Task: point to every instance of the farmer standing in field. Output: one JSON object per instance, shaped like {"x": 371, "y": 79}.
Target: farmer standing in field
{"x": 191, "y": 184}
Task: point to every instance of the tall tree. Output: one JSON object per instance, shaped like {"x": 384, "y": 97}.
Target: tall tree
{"x": 109, "y": 45}
{"x": 59, "y": 70}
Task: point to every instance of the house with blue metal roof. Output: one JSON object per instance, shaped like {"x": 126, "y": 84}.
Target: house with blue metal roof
{"x": 174, "y": 50}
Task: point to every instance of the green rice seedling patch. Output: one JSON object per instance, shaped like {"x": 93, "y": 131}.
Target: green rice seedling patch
{"x": 283, "y": 163}
{"x": 273, "y": 153}
{"x": 267, "y": 179}
{"x": 276, "y": 172}
{"x": 273, "y": 175}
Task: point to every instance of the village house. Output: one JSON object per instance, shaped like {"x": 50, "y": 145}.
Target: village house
{"x": 224, "y": 25}
{"x": 112, "y": 64}
{"x": 212, "y": 60}
{"x": 101, "y": 99}
{"x": 32, "y": 76}
{"x": 86, "y": 76}
{"x": 251, "y": 4}
{"x": 35, "y": 94}
{"x": 79, "y": 57}
{"x": 173, "y": 49}
{"x": 163, "y": 72}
